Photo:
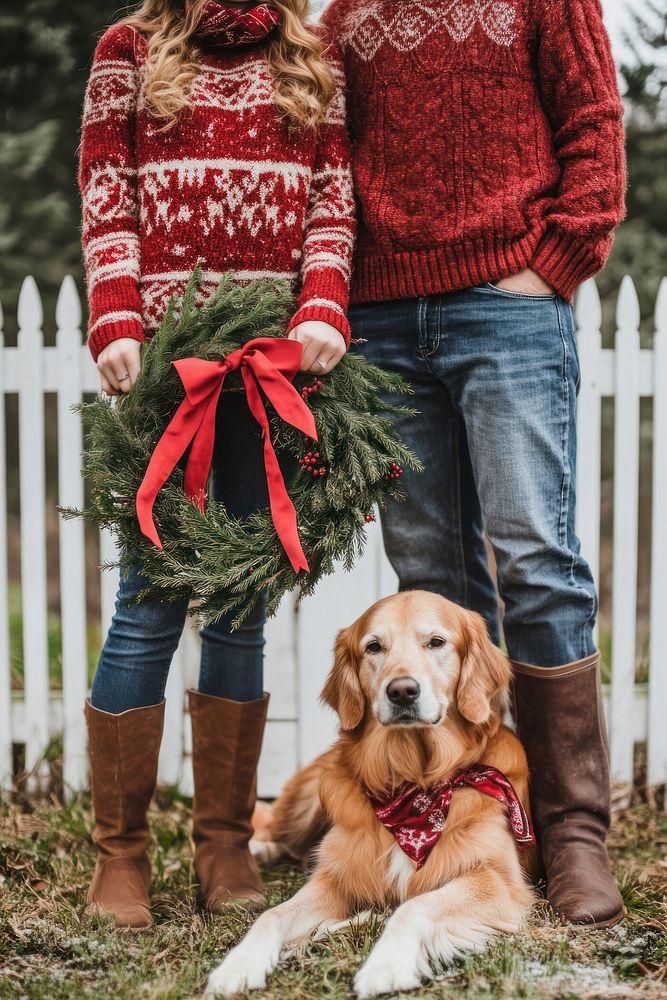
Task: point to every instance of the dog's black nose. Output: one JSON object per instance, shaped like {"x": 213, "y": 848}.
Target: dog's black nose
{"x": 403, "y": 691}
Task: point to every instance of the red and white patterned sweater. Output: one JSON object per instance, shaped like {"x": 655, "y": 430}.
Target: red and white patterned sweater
{"x": 229, "y": 184}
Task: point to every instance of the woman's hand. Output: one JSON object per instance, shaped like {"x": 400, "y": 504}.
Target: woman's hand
{"x": 323, "y": 346}
{"x": 118, "y": 365}
{"x": 526, "y": 281}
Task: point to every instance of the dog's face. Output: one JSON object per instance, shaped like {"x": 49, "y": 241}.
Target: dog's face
{"x": 412, "y": 659}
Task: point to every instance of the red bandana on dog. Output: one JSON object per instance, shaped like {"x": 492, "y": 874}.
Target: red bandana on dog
{"x": 416, "y": 816}
{"x": 226, "y": 26}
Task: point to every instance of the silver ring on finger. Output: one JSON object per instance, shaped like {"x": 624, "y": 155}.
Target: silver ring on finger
{"x": 123, "y": 377}
{"x": 322, "y": 364}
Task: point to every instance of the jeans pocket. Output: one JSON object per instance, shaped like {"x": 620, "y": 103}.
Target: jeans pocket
{"x": 568, "y": 321}
{"x": 508, "y": 293}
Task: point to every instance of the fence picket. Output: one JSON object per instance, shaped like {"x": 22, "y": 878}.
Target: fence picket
{"x": 626, "y": 506}
{"x": 589, "y": 343}
{"x": 108, "y": 580}
{"x": 280, "y": 661}
{"x": 657, "y": 730}
{"x": 190, "y": 668}
{"x": 317, "y": 625}
{"x": 72, "y": 542}
{"x": 171, "y": 749}
{"x": 5, "y": 672}
{"x": 33, "y": 524}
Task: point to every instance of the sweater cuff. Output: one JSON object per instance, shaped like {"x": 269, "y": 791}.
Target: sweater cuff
{"x": 323, "y": 311}
{"x": 114, "y": 326}
{"x": 563, "y": 262}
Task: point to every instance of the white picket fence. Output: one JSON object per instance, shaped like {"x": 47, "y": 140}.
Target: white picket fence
{"x": 300, "y": 640}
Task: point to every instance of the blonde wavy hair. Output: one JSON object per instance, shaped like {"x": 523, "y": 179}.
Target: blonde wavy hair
{"x": 304, "y": 82}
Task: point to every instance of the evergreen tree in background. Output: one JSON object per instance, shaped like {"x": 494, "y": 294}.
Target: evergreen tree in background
{"x": 46, "y": 48}
{"x": 641, "y": 242}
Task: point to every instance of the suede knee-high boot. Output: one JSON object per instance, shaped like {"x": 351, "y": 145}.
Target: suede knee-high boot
{"x": 226, "y": 743}
{"x": 123, "y": 753}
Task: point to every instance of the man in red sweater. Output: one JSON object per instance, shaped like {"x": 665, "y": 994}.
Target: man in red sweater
{"x": 489, "y": 169}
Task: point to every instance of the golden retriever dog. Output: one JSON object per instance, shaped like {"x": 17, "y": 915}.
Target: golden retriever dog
{"x": 420, "y": 805}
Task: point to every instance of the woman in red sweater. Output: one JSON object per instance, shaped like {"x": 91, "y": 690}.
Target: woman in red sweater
{"x": 212, "y": 132}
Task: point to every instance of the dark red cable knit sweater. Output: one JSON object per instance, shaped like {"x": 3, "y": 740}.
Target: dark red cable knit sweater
{"x": 488, "y": 138}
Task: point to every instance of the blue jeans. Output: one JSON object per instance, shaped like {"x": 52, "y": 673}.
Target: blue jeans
{"x": 134, "y": 663}
{"x": 495, "y": 375}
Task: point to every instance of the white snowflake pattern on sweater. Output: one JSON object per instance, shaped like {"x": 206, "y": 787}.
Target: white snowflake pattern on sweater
{"x": 368, "y": 27}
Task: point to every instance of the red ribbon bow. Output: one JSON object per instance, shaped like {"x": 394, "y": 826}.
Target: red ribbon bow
{"x": 267, "y": 363}
{"x": 416, "y": 816}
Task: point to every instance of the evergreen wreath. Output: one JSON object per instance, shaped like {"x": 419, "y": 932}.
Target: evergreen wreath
{"x": 224, "y": 562}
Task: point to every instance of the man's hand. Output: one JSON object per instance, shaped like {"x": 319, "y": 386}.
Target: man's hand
{"x": 323, "y": 346}
{"x": 525, "y": 281}
{"x": 118, "y": 365}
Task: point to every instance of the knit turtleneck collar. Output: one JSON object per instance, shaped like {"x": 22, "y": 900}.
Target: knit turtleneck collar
{"x": 227, "y": 27}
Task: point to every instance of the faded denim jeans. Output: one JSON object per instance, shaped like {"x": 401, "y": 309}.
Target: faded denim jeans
{"x": 134, "y": 663}
{"x": 495, "y": 375}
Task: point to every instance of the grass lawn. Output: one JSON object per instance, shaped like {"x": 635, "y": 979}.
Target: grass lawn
{"x": 47, "y": 953}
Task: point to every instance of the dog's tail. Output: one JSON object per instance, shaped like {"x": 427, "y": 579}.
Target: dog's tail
{"x": 295, "y": 823}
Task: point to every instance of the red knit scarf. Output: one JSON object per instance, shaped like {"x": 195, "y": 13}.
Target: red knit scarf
{"x": 416, "y": 816}
{"x": 227, "y": 27}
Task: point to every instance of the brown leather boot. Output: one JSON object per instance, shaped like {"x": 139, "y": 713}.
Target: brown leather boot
{"x": 560, "y": 720}
{"x": 226, "y": 742}
{"x": 123, "y": 753}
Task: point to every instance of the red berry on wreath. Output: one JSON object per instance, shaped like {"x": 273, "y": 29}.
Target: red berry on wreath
{"x": 395, "y": 471}
{"x": 369, "y": 518}
{"x": 308, "y": 390}
{"x": 311, "y": 463}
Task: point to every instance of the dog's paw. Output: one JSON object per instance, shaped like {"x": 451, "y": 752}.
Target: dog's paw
{"x": 237, "y": 973}
{"x": 385, "y": 974}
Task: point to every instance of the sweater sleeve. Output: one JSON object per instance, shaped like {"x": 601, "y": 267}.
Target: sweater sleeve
{"x": 580, "y": 96}
{"x": 330, "y": 220}
{"x": 108, "y": 185}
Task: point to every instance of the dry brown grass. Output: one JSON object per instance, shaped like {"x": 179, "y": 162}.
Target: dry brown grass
{"x": 47, "y": 953}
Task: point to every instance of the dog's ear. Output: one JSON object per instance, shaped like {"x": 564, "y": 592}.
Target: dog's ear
{"x": 485, "y": 672}
{"x": 342, "y": 690}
